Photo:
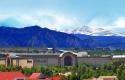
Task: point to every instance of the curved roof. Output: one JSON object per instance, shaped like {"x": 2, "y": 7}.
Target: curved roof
{"x": 79, "y": 54}
{"x": 67, "y": 52}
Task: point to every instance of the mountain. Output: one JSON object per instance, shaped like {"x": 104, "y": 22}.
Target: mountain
{"x": 35, "y": 36}
{"x": 91, "y": 31}
{"x": 98, "y": 37}
{"x": 111, "y": 42}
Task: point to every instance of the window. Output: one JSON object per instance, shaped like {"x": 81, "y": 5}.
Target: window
{"x": 29, "y": 61}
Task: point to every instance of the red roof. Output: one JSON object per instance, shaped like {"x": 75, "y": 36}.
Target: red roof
{"x": 55, "y": 78}
{"x": 11, "y": 75}
{"x": 108, "y": 78}
{"x": 36, "y": 76}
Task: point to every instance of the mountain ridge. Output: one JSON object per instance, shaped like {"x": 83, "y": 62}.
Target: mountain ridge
{"x": 111, "y": 42}
{"x": 35, "y": 36}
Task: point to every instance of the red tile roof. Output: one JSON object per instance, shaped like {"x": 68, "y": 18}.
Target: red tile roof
{"x": 55, "y": 78}
{"x": 11, "y": 75}
{"x": 108, "y": 78}
{"x": 36, "y": 76}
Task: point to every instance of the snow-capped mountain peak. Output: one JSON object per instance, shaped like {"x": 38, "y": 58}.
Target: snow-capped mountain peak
{"x": 91, "y": 31}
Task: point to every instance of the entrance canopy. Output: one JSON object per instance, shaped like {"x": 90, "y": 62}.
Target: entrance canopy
{"x": 68, "y": 52}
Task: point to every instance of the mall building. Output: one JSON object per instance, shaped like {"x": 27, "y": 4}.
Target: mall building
{"x": 66, "y": 58}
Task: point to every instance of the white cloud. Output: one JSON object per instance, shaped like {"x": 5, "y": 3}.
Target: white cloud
{"x": 120, "y": 22}
{"x": 43, "y": 19}
{"x": 115, "y": 24}
{"x": 58, "y": 21}
{"x": 99, "y": 22}
{"x": 55, "y": 20}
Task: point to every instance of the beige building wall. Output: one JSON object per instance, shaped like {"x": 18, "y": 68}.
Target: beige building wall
{"x": 40, "y": 61}
{"x": 18, "y": 62}
{"x": 53, "y": 61}
{"x": 94, "y": 61}
{"x": 46, "y": 61}
{"x": 14, "y": 62}
{"x": 26, "y": 63}
{"x": 2, "y": 61}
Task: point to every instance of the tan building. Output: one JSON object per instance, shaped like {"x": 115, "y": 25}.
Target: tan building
{"x": 66, "y": 58}
{"x": 18, "y": 61}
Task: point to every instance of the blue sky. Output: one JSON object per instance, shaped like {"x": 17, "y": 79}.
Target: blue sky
{"x": 108, "y": 14}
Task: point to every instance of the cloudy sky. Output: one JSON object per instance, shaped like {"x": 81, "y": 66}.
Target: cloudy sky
{"x": 108, "y": 14}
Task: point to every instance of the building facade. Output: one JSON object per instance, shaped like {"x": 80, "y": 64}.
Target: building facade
{"x": 17, "y": 61}
{"x": 66, "y": 59}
